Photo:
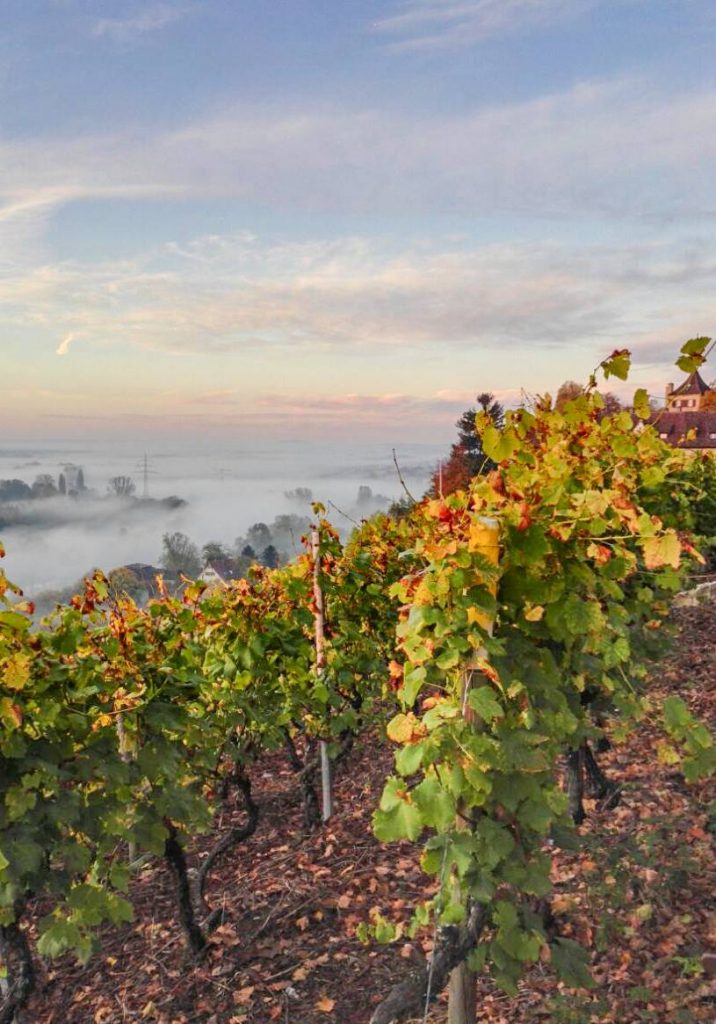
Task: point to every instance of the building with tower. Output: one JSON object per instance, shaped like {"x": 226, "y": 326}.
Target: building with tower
{"x": 689, "y": 418}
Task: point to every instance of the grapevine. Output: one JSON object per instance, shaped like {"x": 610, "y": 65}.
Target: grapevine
{"x": 124, "y": 728}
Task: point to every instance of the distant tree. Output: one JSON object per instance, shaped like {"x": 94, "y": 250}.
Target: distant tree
{"x": 468, "y": 437}
{"x": 241, "y": 566}
{"x": 44, "y": 486}
{"x": 180, "y": 555}
{"x": 213, "y": 551}
{"x": 270, "y": 557}
{"x": 467, "y": 458}
{"x": 259, "y": 536}
{"x": 287, "y": 530}
{"x": 62, "y": 484}
{"x": 248, "y": 552}
{"x": 121, "y": 487}
{"x": 172, "y": 502}
{"x": 612, "y": 404}
{"x": 124, "y": 583}
{"x": 401, "y": 507}
{"x": 570, "y": 389}
{"x": 453, "y": 474}
{"x": 46, "y": 601}
{"x": 567, "y": 392}
{"x": 301, "y": 495}
{"x": 15, "y": 490}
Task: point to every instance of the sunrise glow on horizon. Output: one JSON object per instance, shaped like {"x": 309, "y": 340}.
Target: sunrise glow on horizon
{"x": 342, "y": 221}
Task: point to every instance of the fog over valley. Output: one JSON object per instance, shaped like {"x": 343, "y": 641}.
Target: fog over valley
{"x": 52, "y": 539}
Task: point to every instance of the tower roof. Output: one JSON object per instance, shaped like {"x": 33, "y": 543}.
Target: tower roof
{"x": 693, "y": 385}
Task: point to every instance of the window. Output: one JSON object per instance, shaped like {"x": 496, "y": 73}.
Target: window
{"x": 664, "y": 436}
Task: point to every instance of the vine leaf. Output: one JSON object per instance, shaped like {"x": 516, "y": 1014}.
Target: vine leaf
{"x": 661, "y": 551}
{"x": 569, "y": 960}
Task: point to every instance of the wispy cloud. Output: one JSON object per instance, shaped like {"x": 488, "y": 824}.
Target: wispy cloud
{"x": 140, "y": 22}
{"x": 568, "y": 153}
{"x": 441, "y": 24}
{"x": 599, "y": 153}
{"x": 608, "y": 149}
{"x": 64, "y": 346}
{"x": 254, "y": 295}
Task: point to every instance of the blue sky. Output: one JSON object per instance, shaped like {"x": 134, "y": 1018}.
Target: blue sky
{"x": 344, "y": 218}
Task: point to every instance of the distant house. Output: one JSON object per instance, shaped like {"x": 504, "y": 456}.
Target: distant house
{"x": 220, "y": 571}
{"x": 689, "y": 395}
{"x": 685, "y": 422}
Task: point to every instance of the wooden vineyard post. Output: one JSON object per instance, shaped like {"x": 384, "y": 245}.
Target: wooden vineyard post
{"x": 319, "y": 618}
{"x": 462, "y": 992}
{"x": 125, "y": 754}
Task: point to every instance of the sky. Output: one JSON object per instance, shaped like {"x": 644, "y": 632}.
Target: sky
{"x": 342, "y": 219}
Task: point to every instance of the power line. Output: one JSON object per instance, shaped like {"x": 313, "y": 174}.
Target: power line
{"x": 147, "y": 470}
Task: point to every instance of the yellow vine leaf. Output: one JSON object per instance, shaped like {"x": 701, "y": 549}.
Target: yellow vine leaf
{"x": 17, "y": 671}
{"x": 663, "y": 550}
{"x": 401, "y": 728}
{"x": 475, "y": 616}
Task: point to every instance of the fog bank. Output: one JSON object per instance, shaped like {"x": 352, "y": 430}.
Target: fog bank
{"x": 227, "y": 488}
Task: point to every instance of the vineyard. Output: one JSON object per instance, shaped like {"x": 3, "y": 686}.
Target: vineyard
{"x": 457, "y": 676}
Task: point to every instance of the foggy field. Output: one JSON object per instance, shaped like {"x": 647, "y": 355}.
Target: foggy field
{"x": 227, "y": 488}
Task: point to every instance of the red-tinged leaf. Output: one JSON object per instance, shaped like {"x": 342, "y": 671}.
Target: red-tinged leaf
{"x": 599, "y": 552}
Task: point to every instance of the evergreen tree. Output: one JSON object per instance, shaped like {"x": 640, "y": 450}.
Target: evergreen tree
{"x": 468, "y": 438}
{"x": 467, "y": 459}
{"x": 269, "y": 557}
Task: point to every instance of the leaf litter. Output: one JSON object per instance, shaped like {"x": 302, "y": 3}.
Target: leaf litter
{"x": 639, "y": 894}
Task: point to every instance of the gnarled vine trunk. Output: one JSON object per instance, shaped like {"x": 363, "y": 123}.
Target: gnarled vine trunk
{"x": 20, "y": 969}
{"x": 227, "y": 842}
{"x": 176, "y": 859}
{"x": 410, "y": 996}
